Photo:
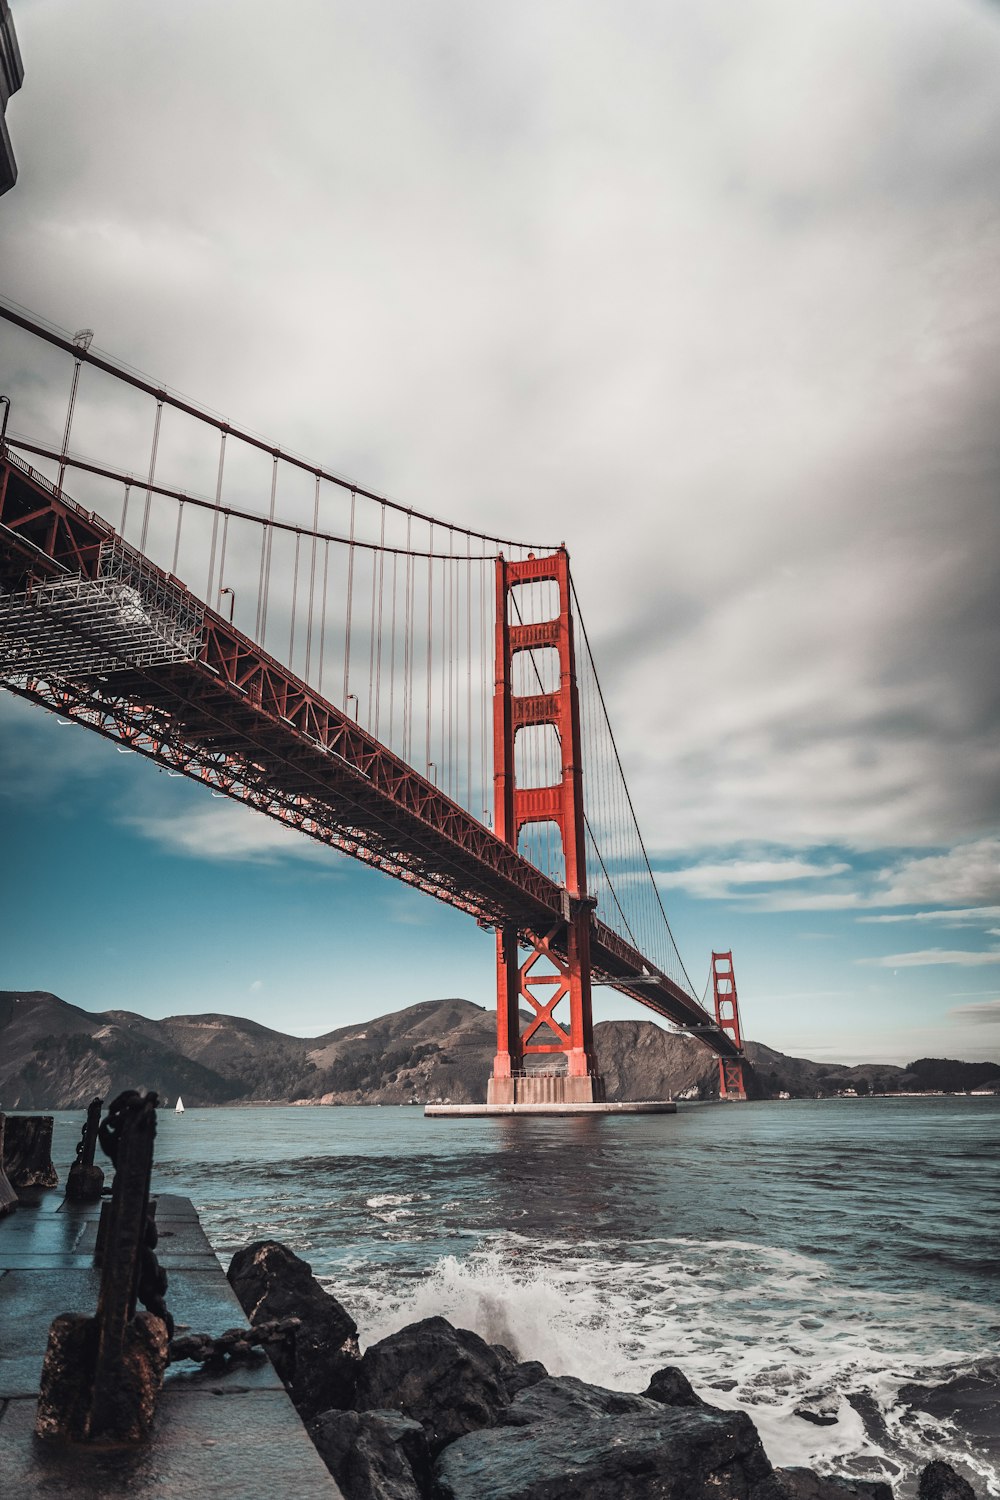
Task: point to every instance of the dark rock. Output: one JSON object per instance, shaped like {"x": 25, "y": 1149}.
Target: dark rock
{"x": 672, "y": 1388}
{"x": 806, "y": 1484}
{"x": 817, "y": 1418}
{"x": 970, "y": 1401}
{"x": 411, "y": 1439}
{"x": 27, "y": 1151}
{"x": 365, "y": 1454}
{"x": 529, "y": 1372}
{"x": 940, "y": 1482}
{"x": 319, "y": 1362}
{"x": 448, "y": 1379}
{"x": 565, "y": 1440}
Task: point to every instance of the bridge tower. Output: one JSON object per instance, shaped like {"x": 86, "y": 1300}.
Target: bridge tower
{"x": 557, "y": 965}
{"x": 727, "y": 1013}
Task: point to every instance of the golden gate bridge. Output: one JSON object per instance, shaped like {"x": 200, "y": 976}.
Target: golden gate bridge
{"x": 418, "y": 694}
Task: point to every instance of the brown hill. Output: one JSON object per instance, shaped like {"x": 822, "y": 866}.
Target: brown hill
{"x": 56, "y": 1056}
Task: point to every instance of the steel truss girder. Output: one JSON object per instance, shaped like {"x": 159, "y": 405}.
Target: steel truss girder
{"x": 238, "y": 721}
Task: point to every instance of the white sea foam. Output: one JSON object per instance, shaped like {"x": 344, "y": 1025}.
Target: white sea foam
{"x": 773, "y": 1321}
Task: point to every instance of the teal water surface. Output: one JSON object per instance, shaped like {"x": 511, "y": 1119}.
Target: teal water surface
{"x": 793, "y": 1255}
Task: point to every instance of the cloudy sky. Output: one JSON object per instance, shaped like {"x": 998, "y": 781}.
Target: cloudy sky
{"x": 711, "y": 291}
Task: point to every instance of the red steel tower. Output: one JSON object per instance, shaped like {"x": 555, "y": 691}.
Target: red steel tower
{"x": 557, "y": 966}
{"x": 727, "y": 1013}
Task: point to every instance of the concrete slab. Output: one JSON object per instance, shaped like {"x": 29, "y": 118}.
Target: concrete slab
{"x": 239, "y": 1447}
{"x": 231, "y": 1433}
{"x": 477, "y": 1111}
{"x": 28, "y": 1303}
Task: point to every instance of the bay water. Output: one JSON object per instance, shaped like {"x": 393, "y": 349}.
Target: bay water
{"x": 790, "y": 1256}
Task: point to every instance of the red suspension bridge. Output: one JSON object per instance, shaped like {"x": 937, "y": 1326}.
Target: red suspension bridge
{"x": 419, "y": 695}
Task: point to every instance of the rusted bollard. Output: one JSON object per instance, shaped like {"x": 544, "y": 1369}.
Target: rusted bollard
{"x": 27, "y": 1152}
{"x": 102, "y": 1375}
{"x": 85, "y": 1182}
{"x": 8, "y": 1197}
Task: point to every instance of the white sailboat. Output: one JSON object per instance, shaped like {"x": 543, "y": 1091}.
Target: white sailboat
{"x": 179, "y": 1106}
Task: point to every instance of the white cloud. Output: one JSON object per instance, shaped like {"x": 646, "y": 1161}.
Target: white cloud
{"x": 722, "y": 273}
{"x": 934, "y": 956}
{"x": 966, "y": 874}
{"x": 224, "y": 830}
{"x": 985, "y": 1014}
{"x": 973, "y": 916}
{"x": 715, "y": 881}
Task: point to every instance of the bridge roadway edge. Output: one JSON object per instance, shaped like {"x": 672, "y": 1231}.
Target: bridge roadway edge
{"x": 232, "y": 1435}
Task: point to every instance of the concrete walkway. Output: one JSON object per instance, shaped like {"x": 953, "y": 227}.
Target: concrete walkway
{"x": 233, "y": 1436}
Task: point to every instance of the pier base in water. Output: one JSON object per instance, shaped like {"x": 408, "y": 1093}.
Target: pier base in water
{"x": 467, "y": 1111}
{"x": 545, "y": 1088}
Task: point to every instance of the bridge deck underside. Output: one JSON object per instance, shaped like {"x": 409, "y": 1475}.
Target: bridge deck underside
{"x": 235, "y": 719}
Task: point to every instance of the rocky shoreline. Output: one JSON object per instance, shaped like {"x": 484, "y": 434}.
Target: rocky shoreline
{"x": 433, "y": 1412}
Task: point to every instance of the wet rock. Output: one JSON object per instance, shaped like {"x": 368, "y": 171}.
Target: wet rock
{"x": 319, "y": 1362}
{"x": 448, "y": 1379}
{"x": 940, "y": 1482}
{"x": 27, "y": 1151}
{"x": 970, "y": 1401}
{"x": 672, "y": 1388}
{"x": 529, "y": 1372}
{"x": 806, "y": 1484}
{"x": 817, "y": 1418}
{"x": 566, "y": 1440}
{"x": 411, "y": 1439}
{"x": 366, "y": 1453}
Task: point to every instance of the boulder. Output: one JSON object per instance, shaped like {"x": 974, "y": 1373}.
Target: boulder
{"x": 319, "y": 1362}
{"x": 806, "y": 1484}
{"x": 969, "y": 1402}
{"x": 366, "y": 1452}
{"x": 940, "y": 1482}
{"x": 527, "y": 1372}
{"x": 562, "y": 1439}
{"x": 672, "y": 1388}
{"x": 27, "y": 1151}
{"x": 448, "y": 1379}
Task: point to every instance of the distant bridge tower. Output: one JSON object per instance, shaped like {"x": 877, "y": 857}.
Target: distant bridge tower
{"x": 727, "y": 1014}
{"x": 557, "y": 966}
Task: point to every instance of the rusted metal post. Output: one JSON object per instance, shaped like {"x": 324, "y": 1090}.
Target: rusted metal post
{"x": 85, "y": 1182}
{"x": 102, "y": 1375}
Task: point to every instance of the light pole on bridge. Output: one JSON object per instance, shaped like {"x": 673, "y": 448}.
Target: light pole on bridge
{"x": 83, "y": 340}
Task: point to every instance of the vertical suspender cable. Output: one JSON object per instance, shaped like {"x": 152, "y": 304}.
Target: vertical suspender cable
{"x": 312, "y": 581}
{"x": 265, "y": 557}
{"x": 177, "y": 543}
{"x": 322, "y": 630}
{"x": 215, "y": 518}
{"x": 381, "y": 602}
{"x": 350, "y": 602}
{"x": 430, "y": 650}
{"x": 392, "y": 654}
{"x": 222, "y": 558}
{"x": 295, "y": 595}
{"x": 407, "y": 643}
{"x": 152, "y": 471}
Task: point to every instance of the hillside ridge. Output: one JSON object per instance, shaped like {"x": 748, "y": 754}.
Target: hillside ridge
{"x": 55, "y": 1055}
